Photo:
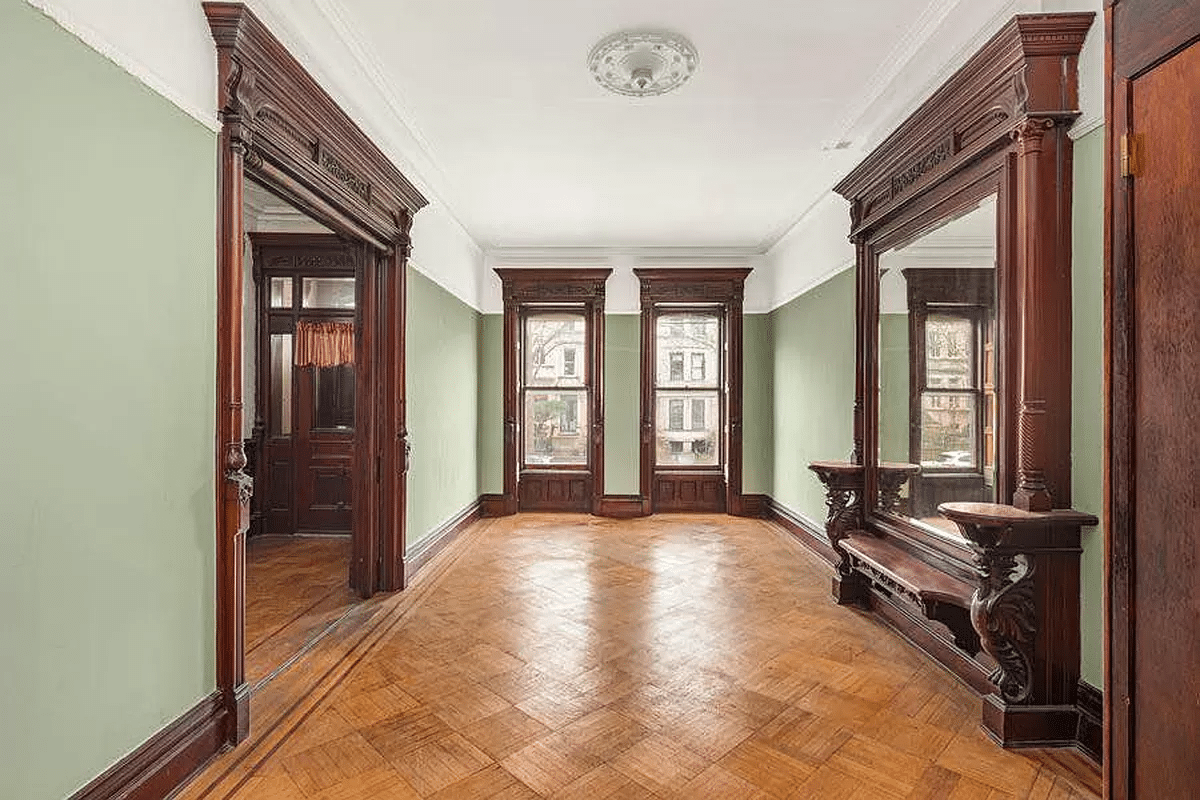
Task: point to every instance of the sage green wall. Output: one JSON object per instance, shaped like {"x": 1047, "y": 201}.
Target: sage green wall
{"x": 491, "y": 403}
{"x": 622, "y": 402}
{"x": 758, "y": 386}
{"x": 442, "y": 385}
{"x": 813, "y": 390}
{"x": 108, "y": 569}
{"x": 1087, "y": 385}
{"x": 894, "y": 416}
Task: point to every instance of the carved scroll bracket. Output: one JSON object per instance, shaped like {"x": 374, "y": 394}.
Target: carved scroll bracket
{"x": 1006, "y": 542}
{"x": 843, "y": 483}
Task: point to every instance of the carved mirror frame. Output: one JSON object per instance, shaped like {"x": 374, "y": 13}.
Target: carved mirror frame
{"x": 281, "y": 128}
{"x": 998, "y": 126}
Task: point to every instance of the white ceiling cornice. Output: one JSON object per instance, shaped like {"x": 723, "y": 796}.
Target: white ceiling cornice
{"x": 912, "y": 40}
{"x": 122, "y": 56}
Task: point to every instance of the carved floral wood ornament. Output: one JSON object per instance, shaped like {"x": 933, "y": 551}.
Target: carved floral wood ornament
{"x": 280, "y": 127}
{"x": 1009, "y": 589}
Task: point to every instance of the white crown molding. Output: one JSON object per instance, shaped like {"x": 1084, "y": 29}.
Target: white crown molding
{"x": 600, "y": 256}
{"x": 433, "y": 177}
{"x": 949, "y": 66}
{"x": 474, "y": 305}
{"x": 915, "y": 37}
{"x": 804, "y": 289}
{"x": 139, "y": 71}
{"x": 1085, "y": 125}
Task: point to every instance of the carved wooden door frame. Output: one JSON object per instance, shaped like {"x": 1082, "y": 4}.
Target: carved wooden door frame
{"x": 280, "y": 127}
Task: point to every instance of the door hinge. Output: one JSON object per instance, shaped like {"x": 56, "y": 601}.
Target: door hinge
{"x": 1129, "y": 154}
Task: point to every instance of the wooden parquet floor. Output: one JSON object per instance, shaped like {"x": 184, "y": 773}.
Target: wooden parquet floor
{"x": 296, "y": 587}
{"x": 569, "y": 657}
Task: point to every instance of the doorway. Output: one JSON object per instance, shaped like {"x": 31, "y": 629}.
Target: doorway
{"x": 301, "y": 541}
{"x": 282, "y": 129}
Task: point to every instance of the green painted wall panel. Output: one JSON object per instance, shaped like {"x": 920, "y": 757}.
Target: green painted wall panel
{"x": 622, "y": 403}
{"x": 491, "y": 403}
{"x": 107, "y": 580}
{"x": 1087, "y": 389}
{"x": 442, "y": 376}
{"x": 758, "y": 386}
{"x": 813, "y": 390}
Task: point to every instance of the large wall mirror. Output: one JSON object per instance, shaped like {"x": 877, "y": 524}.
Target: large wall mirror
{"x": 938, "y": 359}
{"x": 953, "y": 520}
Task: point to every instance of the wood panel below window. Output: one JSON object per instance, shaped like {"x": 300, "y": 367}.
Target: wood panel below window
{"x": 689, "y": 491}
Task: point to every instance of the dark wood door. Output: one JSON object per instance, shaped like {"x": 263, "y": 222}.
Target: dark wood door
{"x": 324, "y": 448}
{"x": 1153, "y": 691}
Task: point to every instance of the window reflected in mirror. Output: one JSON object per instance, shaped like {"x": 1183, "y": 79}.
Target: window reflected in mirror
{"x": 937, "y": 370}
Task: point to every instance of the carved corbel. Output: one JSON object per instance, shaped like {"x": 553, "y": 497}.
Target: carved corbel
{"x": 843, "y": 483}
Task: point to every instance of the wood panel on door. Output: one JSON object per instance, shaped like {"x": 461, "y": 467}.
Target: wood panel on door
{"x": 1153, "y": 691}
{"x": 324, "y": 453}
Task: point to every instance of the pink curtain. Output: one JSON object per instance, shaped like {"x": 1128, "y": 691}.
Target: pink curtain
{"x": 324, "y": 344}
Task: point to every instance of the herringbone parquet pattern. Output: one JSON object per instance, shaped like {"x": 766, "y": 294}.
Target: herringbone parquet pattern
{"x": 670, "y": 657}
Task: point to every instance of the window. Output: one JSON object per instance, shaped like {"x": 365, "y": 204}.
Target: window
{"x": 951, "y": 393}
{"x": 555, "y": 396}
{"x": 686, "y": 388}
{"x": 691, "y": 388}
{"x": 675, "y": 415}
{"x": 676, "y": 367}
{"x": 569, "y": 420}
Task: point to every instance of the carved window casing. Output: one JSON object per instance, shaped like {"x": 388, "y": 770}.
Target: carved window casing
{"x": 691, "y": 417}
{"x": 553, "y": 390}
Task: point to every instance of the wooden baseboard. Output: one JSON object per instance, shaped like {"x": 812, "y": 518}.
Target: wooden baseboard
{"x": 752, "y": 505}
{"x": 439, "y": 537}
{"x": 809, "y": 534}
{"x": 167, "y": 759}
{"x": 494, "y": 505}
{"x": 621, "y": 506}
{"x": 1090, "y": 735}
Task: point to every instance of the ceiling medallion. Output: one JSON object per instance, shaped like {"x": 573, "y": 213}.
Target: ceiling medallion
{"x": 642, "y": 63}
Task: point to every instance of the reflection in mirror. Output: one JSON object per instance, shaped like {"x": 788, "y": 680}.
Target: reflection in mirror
{"x": 937, "y": 370}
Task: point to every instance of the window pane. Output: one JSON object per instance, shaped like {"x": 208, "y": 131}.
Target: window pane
{"x": 688, "y": 345}
{"x": 328, "y": 292}
{"x": 949, "y": 352}
{"x": 948, "y": 439}
{"x": 334, "y": 397}
{"x": 281, "y": 292}
{"x": 688, "y": 433}
{"x": 556, "y": 428}
{"x": 554, "y": 350}
{"x": 281, "y": 384}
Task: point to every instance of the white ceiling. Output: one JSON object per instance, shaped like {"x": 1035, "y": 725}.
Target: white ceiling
{"x": 528, "y": 151}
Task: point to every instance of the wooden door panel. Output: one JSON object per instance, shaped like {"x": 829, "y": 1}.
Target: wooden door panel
{"x": 324, "y": 465}
{"x": 1166, "y": 437}
{"x": 1152, "y": 683}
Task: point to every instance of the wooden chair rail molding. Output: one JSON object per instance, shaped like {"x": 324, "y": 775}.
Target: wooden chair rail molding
{"x": 999, "y": 604}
